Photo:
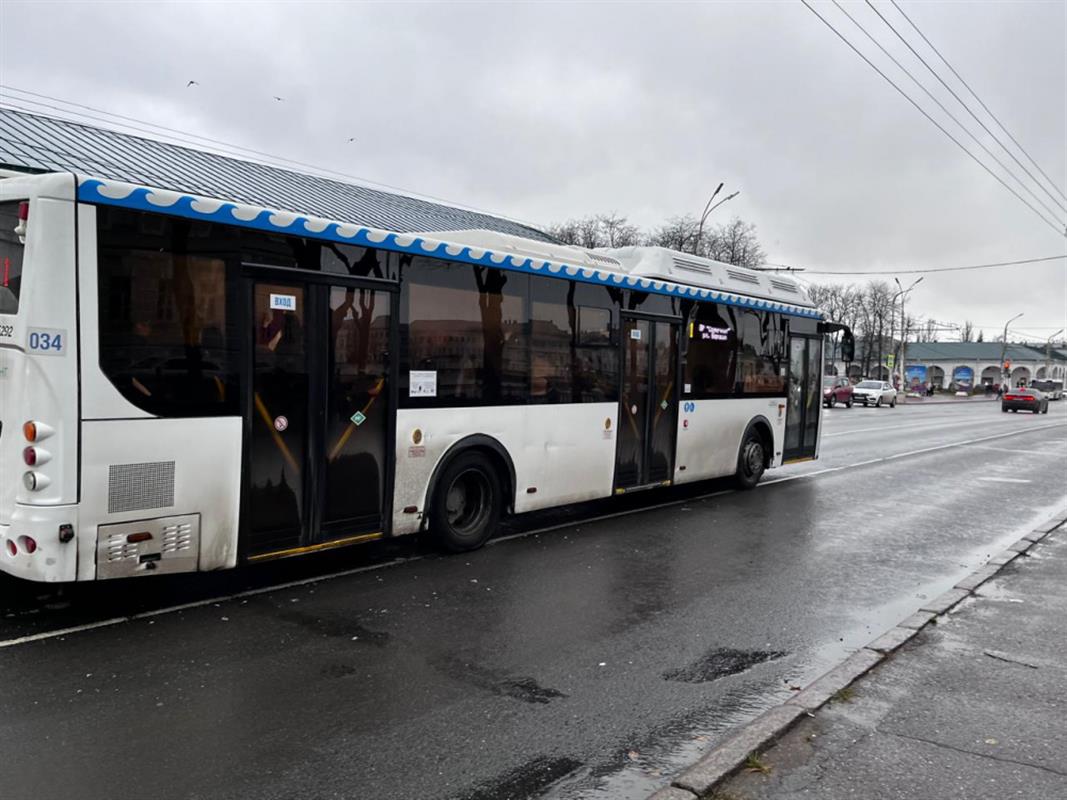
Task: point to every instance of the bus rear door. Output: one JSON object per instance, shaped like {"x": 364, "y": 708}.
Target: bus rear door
{"x": 319, "y": 415}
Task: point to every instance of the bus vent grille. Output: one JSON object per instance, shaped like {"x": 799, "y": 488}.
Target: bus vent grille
{"x": 177, "y": 537}
{"x": 133, "y": 487}
{"x": 745, "y": 277}
{"x": 783, "y": 286}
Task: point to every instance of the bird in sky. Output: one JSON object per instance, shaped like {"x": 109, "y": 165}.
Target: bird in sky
{"x": 191, "y": 83}
{"x": 279, "y": 99}
{"x": 351, "y": 138}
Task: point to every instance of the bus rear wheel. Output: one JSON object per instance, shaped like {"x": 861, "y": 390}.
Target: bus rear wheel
{"x": 467, "y": 504}
{"x": 751, "y": 461}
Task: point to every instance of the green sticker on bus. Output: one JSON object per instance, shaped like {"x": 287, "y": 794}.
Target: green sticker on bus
{"x": 358, "y": 418}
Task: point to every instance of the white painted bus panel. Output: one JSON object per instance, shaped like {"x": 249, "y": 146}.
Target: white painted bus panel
{"x": 47, "y": 372}
{"x": 563, "y": 451}
{"x": 53, "y": 560}
{"x": 100, "y": 398}
{"x": 125, "y": 466}
{"x": 709, "y": 436}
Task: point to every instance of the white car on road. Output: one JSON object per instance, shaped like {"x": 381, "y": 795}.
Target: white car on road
{"x": 874, "y": 393}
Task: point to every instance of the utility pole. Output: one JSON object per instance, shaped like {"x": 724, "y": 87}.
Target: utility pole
{"x": 902, "y": 294}
{"x": 1005, "y": 375}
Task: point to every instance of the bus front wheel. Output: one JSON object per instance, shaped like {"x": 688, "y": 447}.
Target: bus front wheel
{"x": 467, "y": 504}
{"x": 751, "y": 461}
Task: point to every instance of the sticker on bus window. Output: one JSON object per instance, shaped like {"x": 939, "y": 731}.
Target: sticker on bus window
{"x": 635, "y": 334}
{"x": 283, "y": 302}
{"x": 422, "y": 383}
{"x": 46, "y": 341}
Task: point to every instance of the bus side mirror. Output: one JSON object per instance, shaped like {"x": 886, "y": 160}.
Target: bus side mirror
{"x": 848, "y": 347}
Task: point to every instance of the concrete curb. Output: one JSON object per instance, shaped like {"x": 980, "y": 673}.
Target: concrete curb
{"x": 728, "y": 757}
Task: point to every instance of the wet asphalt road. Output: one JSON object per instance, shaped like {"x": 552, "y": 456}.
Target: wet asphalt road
{"x": 589, "y": 661}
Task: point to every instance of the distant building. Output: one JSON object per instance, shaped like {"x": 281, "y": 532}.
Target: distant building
{"x": 964, "y": 365}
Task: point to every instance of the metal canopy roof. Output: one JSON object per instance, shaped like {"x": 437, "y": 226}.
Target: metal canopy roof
{"x": 33, "y": 142}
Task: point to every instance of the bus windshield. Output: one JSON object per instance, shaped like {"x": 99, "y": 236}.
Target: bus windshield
{"x": 11, "y": 251}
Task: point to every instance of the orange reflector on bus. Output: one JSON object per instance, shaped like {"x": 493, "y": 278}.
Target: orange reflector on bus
{"x": 29, "y": 430}
{"x": 142, "y": 536}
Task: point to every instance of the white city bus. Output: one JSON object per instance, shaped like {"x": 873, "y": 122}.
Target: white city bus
{"x": 187, "y": 383}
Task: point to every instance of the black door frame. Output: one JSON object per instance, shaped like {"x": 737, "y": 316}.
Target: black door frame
{"x": 676, "y": 369}
{"x": 318, "y": 312}
{"x": 802, "y": 451}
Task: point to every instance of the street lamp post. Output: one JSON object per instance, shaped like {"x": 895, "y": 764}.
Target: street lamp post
{"x": 708, "y": 208}
{"x": 903, "y": 293}
{"x": 1048, "y": 354}
{"x": 1004, "y": 374}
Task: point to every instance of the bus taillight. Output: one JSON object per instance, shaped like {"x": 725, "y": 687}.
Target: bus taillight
{"x": 24, "y": 216}
{"x": 35, "y": 480}
{"x": 29, "y": 455}
{"x": 12, "y": 548}
{"x": 29, "y": 544}
{"x": 34, "y": 431}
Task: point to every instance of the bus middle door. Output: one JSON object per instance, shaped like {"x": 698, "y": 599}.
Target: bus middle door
{"x": 648, "y": 413}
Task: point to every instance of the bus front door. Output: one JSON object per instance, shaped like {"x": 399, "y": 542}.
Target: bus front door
{"x": 648, "y": 413}
{"x": 805, "y": 396}
{"x": 318, "y": 417}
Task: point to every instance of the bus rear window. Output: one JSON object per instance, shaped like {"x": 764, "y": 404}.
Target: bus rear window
{"x": 11, "y": 251}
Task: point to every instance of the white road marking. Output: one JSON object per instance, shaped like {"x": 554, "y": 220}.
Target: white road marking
{"x": 55, "y": 634}
{"x": 1054, "y": 453}
{"x": 1006, "y": 480}
{"x": 895, "y": 456}
{"x": 903, "y": 429}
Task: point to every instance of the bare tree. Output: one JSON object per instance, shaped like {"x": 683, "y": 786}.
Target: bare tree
{"x": 967, "y": 331}
{"x": 617, "y": 232}
{"x": 735, "y": 242}
{"x": 678, "y": 233}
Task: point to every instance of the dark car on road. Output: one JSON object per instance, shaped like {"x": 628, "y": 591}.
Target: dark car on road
{"x": 1025, "y": 399}
{"x": 836, "y": 390}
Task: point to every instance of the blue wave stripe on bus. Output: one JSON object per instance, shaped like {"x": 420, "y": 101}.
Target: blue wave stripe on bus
{"x": 227, "y": 213}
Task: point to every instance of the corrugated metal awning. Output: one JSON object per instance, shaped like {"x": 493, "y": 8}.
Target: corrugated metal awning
{"x": 38, "y": 143}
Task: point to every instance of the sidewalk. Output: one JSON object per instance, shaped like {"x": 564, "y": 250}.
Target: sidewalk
{"x": 973, "y": 707}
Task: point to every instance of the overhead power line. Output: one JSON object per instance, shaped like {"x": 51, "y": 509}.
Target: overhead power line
{"x": 1054, "y": 225}
{"x": 928, "y": 269}
{"x": 979, "y": 99}
{"x": 965, "y": 106}
{"x": 1054, "y": 212}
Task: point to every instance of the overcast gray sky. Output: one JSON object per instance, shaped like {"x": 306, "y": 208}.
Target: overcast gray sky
{"x": 543, "y": 111}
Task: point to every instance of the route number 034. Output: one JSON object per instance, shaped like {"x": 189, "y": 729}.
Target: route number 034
{"x": 46, "y": 341}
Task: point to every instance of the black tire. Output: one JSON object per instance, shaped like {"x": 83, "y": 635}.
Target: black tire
{"x": 1045, "y": 409}
{"x": 467, "y": 503}
{"x": 1014, "y": 410}
{"x": 878, "y": 402}
{"x": 751, "y": 461}
{"x": 848, "y": 403}
{"x": 893, "y": 403}
{"x": 1004, "y": 409}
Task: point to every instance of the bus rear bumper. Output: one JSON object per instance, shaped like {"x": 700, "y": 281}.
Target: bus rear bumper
{"x": 32, "y": 547}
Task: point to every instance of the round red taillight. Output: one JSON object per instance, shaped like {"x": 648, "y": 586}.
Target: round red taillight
{"x": 29, "y": 455}
{"x": 30, "y": 544}
{"x": 12, "y": 549}
{"x": 29, "y": 431}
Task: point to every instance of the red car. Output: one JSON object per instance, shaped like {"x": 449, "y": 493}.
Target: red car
{"x": 1025, "y": 399}
{"x": 836, "y": 390}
